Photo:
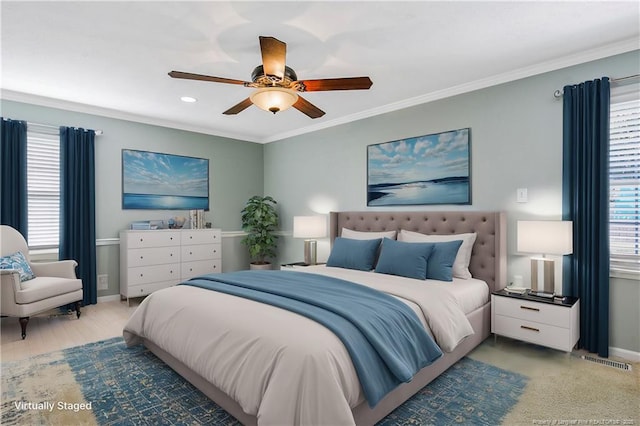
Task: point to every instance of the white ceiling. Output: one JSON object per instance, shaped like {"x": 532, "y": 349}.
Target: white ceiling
{"x": 112, "y": 58}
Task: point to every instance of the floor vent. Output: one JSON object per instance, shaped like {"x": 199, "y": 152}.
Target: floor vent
{"x": 615, "y": 364}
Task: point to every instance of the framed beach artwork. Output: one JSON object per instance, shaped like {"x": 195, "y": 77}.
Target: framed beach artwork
{"x": 429, "y": 169}
{"x": 155, "y": 181}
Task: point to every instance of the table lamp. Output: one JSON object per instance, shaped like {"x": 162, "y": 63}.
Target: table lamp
{"x": 309, "y": 227}
{"x": 544, "y": 237}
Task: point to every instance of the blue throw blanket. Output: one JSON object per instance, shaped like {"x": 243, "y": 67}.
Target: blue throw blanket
{"x": 385, "y": 339}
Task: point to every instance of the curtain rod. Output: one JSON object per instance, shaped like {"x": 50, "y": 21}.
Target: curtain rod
{"x": 49, "y": 126}
{"x": 558, "y": 93}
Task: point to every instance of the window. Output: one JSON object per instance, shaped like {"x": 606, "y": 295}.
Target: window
{"x": 43, "y": 186}
{"x": 624, "y": 182}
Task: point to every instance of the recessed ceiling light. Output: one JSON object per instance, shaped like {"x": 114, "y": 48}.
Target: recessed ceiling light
{"x": 188, "y": 99}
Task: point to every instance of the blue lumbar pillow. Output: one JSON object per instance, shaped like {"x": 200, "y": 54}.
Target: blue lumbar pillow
{"x": 440, "y": 264}
{"x": 404, "y": 259}
{"x": 354, "y": 254}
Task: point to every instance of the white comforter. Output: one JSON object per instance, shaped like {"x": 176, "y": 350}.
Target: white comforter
{"x": 280, "y": 366}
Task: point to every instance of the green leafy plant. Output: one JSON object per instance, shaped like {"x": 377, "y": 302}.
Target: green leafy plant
{"x": 260, "y": 221}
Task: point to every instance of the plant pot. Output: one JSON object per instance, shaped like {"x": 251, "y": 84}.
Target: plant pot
{"x": 260, "y": 266}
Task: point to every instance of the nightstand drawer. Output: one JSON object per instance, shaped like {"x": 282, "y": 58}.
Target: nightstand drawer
{"x": 542, "y": 313}
{"x": 534, "y": 332}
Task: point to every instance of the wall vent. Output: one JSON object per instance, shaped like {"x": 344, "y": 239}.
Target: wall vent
{"x": 615, "y": 364}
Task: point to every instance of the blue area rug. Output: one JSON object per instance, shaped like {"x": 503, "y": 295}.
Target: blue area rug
{"x": 132, "y": 386}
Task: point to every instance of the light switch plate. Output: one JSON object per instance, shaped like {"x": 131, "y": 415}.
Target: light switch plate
{"x": 521, "y": 195}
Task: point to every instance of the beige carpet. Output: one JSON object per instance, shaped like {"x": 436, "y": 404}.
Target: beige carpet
{"x": 563, "y": 389}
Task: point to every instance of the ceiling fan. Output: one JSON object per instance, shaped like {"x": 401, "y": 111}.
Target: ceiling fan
{"x": 277, "y": 85}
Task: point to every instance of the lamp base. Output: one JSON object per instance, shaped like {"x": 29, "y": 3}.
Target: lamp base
{"x": 547, "y": 284}
{"x": 310, "y": 252}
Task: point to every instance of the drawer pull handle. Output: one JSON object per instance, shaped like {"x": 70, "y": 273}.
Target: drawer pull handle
{"x": 530, "y": 308}
{"x": 141, "y": 257}
{"x": 530, "y": 328}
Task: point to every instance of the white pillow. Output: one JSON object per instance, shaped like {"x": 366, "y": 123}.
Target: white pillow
{"x": 360, "y": 235}
{"x": 461, "y": 264}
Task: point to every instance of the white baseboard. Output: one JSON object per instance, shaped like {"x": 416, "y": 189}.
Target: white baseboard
{"x": 625, "y": 353}
{"x": 111, "y": 298}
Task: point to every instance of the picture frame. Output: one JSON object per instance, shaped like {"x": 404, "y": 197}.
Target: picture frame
{"x": 422, "y": 170}
{"x": 158, "y": 181}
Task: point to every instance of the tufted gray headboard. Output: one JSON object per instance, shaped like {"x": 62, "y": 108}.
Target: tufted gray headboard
{"x": 489, "y": 256}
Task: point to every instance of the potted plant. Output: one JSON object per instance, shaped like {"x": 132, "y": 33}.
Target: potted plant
{"x": 260, "y": 220}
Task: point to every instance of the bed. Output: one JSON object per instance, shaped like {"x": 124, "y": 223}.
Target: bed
{"x": 271, "y": 392}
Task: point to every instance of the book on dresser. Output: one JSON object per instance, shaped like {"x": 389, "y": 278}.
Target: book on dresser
{"x": 151, "y": 260}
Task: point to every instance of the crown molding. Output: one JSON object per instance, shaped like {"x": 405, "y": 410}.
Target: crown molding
{"x": 44, "y": 101}
{"x": 543, "y": 67}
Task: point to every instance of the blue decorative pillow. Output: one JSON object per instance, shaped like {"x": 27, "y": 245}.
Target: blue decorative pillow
{"x": 404, "y": 259}
{"x": 354, "y": 254}
{"x": 440, "y": 263}
{"x": 19, "y": 262}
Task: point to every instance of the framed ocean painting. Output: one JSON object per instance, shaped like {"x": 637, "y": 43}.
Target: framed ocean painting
{"x": 429, "y": 169}
{"x": 155, "y": 181}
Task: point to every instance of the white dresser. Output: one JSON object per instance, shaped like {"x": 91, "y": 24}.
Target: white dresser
{"x": 555, "y": 324}
{"x": 152, "y": 260}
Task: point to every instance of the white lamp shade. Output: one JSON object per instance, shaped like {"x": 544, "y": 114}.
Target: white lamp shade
{"x": 309, "y": 226}
{"x": 545, "y": 236}
{"x": 274, "y": 99}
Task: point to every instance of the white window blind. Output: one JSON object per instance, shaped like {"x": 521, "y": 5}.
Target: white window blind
{"x": 624, "y": 183}
{"x": 43, "y": 186}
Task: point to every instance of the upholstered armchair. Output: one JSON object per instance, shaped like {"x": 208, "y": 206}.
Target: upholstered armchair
{"x": 26, "y": 288}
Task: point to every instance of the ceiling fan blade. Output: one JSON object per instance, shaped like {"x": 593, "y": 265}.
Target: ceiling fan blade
{"x": 308, "y": 108}
{"x": 191, "y": 76}
{"x": 348, "y": 83}
{"x": 274, "y": 53}
{"x": 239, "y": 107}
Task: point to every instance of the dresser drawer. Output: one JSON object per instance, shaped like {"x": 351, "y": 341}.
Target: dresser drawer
{"x": 202, "y": 267}
{"x": 541, "y": 313}
{"x": 152, "y": 239}
{"x": 534, "y": 332}
{"x": 145, "y": 289}
{"x": 149, "y": 274}
{"x": 153, "y": 256}
{"x": 201, "y": 252}
{"x": 201, "y": 236}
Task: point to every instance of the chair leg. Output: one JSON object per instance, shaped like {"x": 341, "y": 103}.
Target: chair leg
{"x": 23, "y": 324}
{"x": 78, "y": 309}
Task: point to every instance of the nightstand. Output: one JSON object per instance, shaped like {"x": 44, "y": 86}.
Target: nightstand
{"x": 553, "y": 323}
{"x": 297, "y": 265}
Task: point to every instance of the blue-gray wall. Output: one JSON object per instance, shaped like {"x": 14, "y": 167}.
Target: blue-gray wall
{"x": 516, "y": 142}
{"x": 235, "y": 168}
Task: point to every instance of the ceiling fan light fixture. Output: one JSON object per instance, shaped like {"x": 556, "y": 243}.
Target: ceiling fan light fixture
{"x": 274, "y": 99}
